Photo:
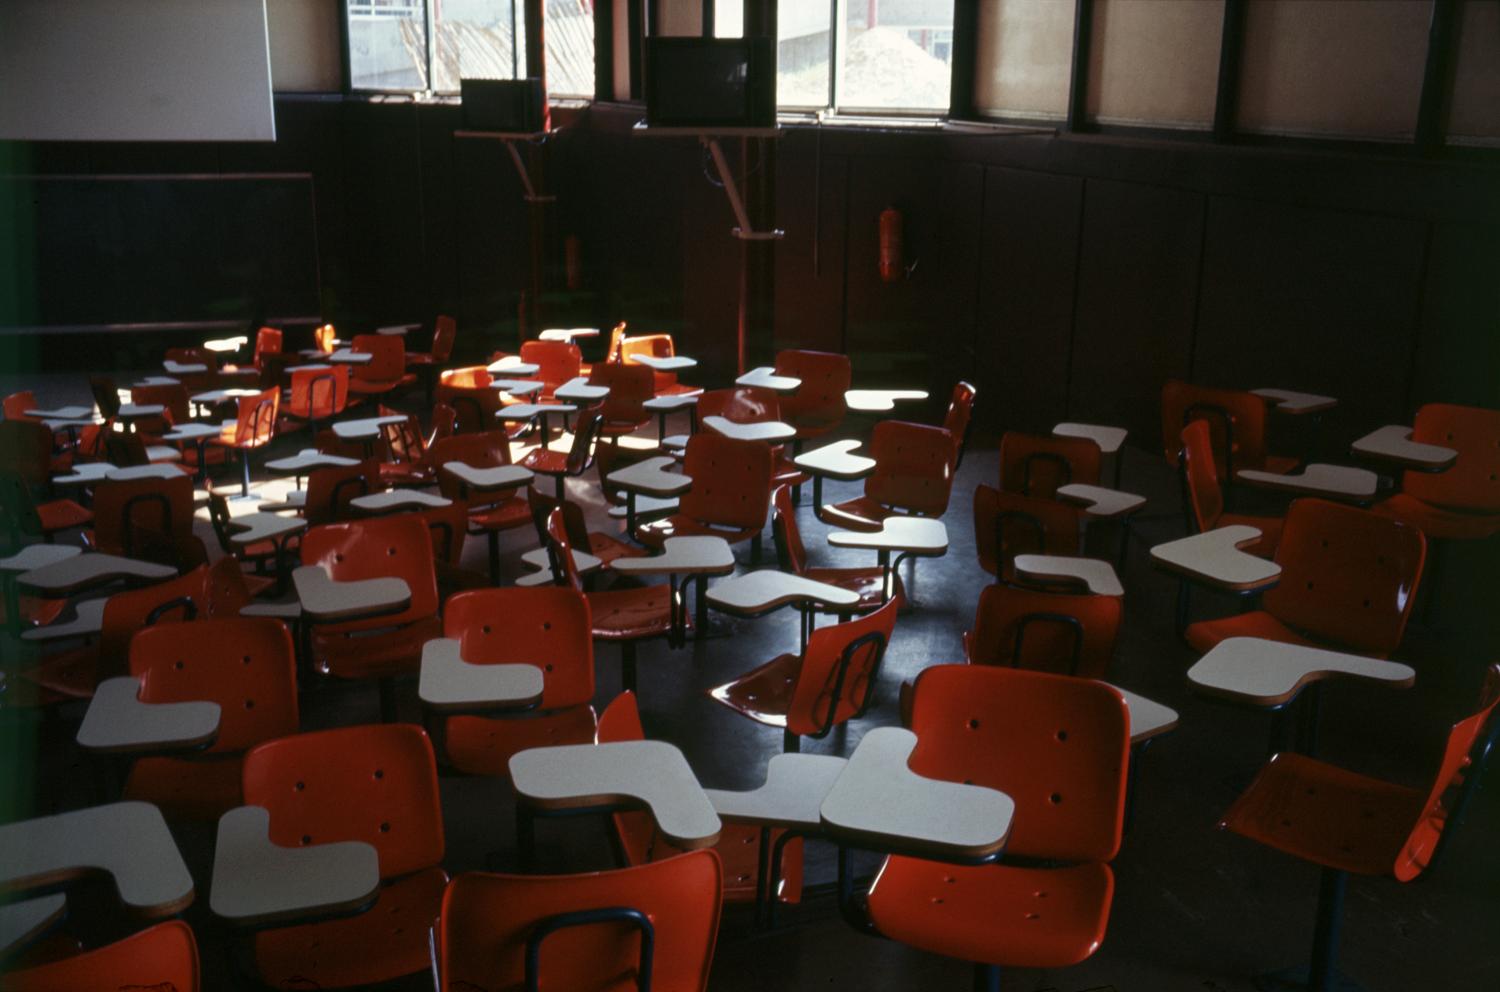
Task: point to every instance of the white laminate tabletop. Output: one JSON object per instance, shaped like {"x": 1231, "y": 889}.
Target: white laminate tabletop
{"x": 308, "y": 459}
{"x": 1108, "y": 439}
{"x": 758, "y": 592}
{"x": 192, "y": 432}
{"x": 85, "y": 473}
{"x": 512, "y": 365}
{"x": 346, "y": 357}
{"x": 324, "y": 599}
{"x": 397, "y": 330}
{"x": 1293, "y": 402}
{"x": 791, "y": 796}
{"x": 651, "y": 478}
{"x": 130, "y": 411}
{"x": 880, "y": 400}
{"x": 81, "y": 571}
{"x": 227, "y": 344}
{"x": 645, "y": 506}
{"x": 483, "y": 480}
{"x": 184, "y": 368}
{"x": 702, "y": 555}
{"x": 650, "y": 773}
{"x": 1214, "y": 557}
{"x": 926, "y": 536}
{"x": 263, "y": 527}
{"x": 580, "y": 390}
{"x": 670, "y": 402}
{"x": 156, "y": 380}
{"x": 1097, "y": 501}
{"x": 392, "y": 500}
{"x": 64, "y": 413}
{"x": 1393, "y": 443}
{"x": 156, "y": 470}
{"x": 518, "y": 387}
{"x": 836, "y": 461}
{"x": 1336, "y": 481}
{"x": 1270, "y": 673}
{"x": 88, "y": 619}
{"x": 1148, "y": 718}
{"x": 365, "y": 428}
{"x": 220, "y": 395}
{"x": 447, "y": 682}
{"x": 294, "y": 500}
{"x": 23, "y": 922}
{"x": 525, "y": 411}
{"x": 35, "y": 556}
{"x": 665, "y": 363}
{"x": 1095, "y": 575}
{"x": 256, "y": 882}
{"x": 766, "y": 378}
{"x": 117, "y": 722}
{"x": 675, "y": 442}
{"x": 310, "y": 367}
{"x": 879, "y": 801}
{"x": 763, "y": 430}
{"x": 582, "y": 561}
{"x": 567, "y": 333}
{"x": 129, "y": 840}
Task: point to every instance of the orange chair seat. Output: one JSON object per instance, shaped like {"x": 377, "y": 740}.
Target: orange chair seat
{"x": 630, "y": 614}
{"x": 738, "y": 849}
{"x": 386, "y": 941}
{"x": 363, "y": 655}
{"x": 868, "y": 583}
{"x": 69, "y": 674}
{"x": 162, "y": 957}
{"x": 620, "y": 428}
{"x": 546, "y": 462}
{"x": 37, "y": 611}
{"x": 1269, "y": 527}
{"x": 1437, "y": 522}
{"x": 862, "y": 513}
{"x": 655, "y": 533}
{"x": 1326, "y": 815}
{"x": 608, "y": 548}
{"x": 994, "y": 914}
{"x": 407, "y": 474}
{"x": 61, "y": 514}
{"x": 514, "y": 512}
{"x": 764, "y": 694}
{"x": 188, "y": 790}
{"x": 786, "y": 473}
{"x": 479, "y": 745}
{"x": 1204, "y": 634}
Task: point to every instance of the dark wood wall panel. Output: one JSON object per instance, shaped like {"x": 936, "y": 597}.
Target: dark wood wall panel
{"x": 812, "y": 202}
{"x": 1137, "y": 293}
{"x": 1458, "y": 350}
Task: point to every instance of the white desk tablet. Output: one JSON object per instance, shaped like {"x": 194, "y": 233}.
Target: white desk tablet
{"x": 649, "y": 773}
{"x": 664, "y": 363}
{"x": 1096, "y": 576}
{"x": 1332, "y": 481}
{"x": 256, "y": 882}
{"x": 133, "y": 411}
{"x": 1292, "y": 402}
{"x": 837, "y": 461}
{"x": 670, "y": 402}
{"x": 1148, "y": 718}
{"x": 308, "y": 459}
{"x": 645, "y": 506}
{"x": 324, "y": 599}
{"x": 156, "y": 380}
{"x": 396, "y": 500}
{"x": 447, "y": 682}
{"x": 700, "y": 555}
{"x": 1394, "y": 444}
{"x": 525, "y": 411}
{"x": 152, "y": 471}
{"x": 88, "y": 620}
{"x": 397, "y": 330}
{"x": 184, "y": 368}
{"x": 257, "y": 527}
{"x": 1097, "y": 501}
{"x": 791, "y": 796}
{"x": 192, "y": 432}
{"x": 117, "y": 721}
{"x": 492, "y": 479}
{"x": 129, "y": 840}
{"x": 581, "y": 390}
{"x": 759, "y": 592}
{"x": 651, "y": 478}
{"x": 312, "y": 367}
{"x": 213, "y": 396}
{"x": 880, "y": 802}
{"x": 1214, "y": 557}
{"x": 294, "y": 500}
{"x": 82, "y": 571}
{"x": 765, "y": 377}
{"x": 346, "y": 357}
{"x": 227, "y": 344}
{"x": 879, "y": 400}
{"x": 763, "y": 430}
{"x": 1270, "y": 673}
{"x": 512, "y": 364}
{"x": 64, "y": 413}
{"x": 518, "y": 387}
{"x": 23, "y": 922}
{"x": 35, "y": 556}
{"x": 926, "y": 536}
{"x": 537, "y": 559}
{"x": 85, "y": 474}
{"x": 364, "y": 429}
{"x": 567, "y": 333}
{"x": 1109, "y": 439}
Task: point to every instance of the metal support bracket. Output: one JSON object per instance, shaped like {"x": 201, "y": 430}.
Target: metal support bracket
{"x": 746, "y": 231}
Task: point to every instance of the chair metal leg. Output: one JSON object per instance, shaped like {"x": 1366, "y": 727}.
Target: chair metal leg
{"x": 790, "y": 743}
{"x": 494, "y": 557}
{"x": 1326, "y": 936}
{"x": 627, "y": 665}
{"x": 986, "y": 978}
{"x": 387, "y": 700}
{"x": 245, "y": 465}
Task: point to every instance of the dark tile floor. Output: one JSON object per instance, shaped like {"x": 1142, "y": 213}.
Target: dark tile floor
{"x": 1195, "y": 908}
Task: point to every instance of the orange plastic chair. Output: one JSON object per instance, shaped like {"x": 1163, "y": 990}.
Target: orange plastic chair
{"x": 24, "y": 516}
{"x": 738, "y": 846}
{"x": 386, "y": 372}
{"x": 561, "y": 465}
{"x": 254, "y": 427}
{"x": 752, "y": 405}
{"x": 1348, "y": 581}
{"x": 244, "y": 665}
{"x": 330, "y": 489}
{"x": 491, "y": 512}
{"x": 323, "y": 337}
{"x": 651, "y": 926}
{"x": 15, "y": 405}
{"x": 817, "y": 406}
{"x": 1058, "y": 746}
{"x": 467, "y": 391}
{"x": 1063, "y": 633}
{"x": 1462, "y": 502}
{"x": 1203, "y": 500}
{"x": 1006, "y": 525}
{"x": 605, "y": 547}
{"x": 406, "y": 451}
{"x": 549, "y": 627}
{"x": 656, "y": 346}
{"x": 624, "y": 615}
{"x": 317, "y": 394}
{"x": 1236, "y": 419}
{"x": 444, "y": 333}
{"x": 397, "y": 545}
{"x": 623, "y": 410}
{"x": 557, "y": 361}
{"x": 791, "y": 555}
{"x": 163, "y": 958}
{"x": 1037, "y": 465}
{"x": 959, "y": 419}
{"x": 913, "y": 477}
{"x": 1347, "y": 823}
{"x": 150, "y": 519}
{"x": 730, "y": 495}
{"x": 831, "y": 682}
{"x": 376, "y": 784}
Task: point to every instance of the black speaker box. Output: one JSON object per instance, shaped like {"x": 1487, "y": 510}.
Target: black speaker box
{"x": 724, "y": 82}
{"x": 515, "y": 105}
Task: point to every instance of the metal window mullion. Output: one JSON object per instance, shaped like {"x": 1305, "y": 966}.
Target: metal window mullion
{"x": 431, "y": 20}
{"x": 838, "y": 15}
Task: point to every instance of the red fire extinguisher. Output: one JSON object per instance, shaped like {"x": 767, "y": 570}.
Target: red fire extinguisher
{"x": 892, "y": 268}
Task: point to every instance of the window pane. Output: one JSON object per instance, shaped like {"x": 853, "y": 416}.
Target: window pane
{"x": 1025, "y": 57}
{"x": 802, "y": 43}
{"x": 475, "y": 39}
{"x": 729, "y": 18}
{"x": 896, "y": 55}
{"x": 570, "y": 48}
{"x": 1155, "y": 63}
{"x": 1474, "y": 113}
{"x": 387, "y": 45}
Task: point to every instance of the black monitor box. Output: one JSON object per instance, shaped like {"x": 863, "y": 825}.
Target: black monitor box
{"x": 722, "y": 82}
{"x": 514, "y": 105}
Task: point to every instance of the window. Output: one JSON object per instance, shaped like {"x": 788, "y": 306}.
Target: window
{"x": 570, "y": 47}
{"x": 1155, "y": 64}
{"x": 1025, "y": 59}
{"x": 409, "y": 45}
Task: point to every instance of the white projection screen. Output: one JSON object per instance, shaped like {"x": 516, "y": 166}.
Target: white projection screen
{"x": 135, "y": 70}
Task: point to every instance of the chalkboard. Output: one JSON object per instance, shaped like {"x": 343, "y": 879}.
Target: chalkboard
{"x": 90, "y": 250}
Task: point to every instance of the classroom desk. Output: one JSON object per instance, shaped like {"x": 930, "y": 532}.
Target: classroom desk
{"x": 568, "y": 334}
{"x": 448, "y": 684}
{"x": 155, "y": 470}
{"x": 765, "y": 377}
{"x": 518, "y": 387}
{"x": 909, "y": 537}
{"x": 689, "y": 557}
{"x": 880, "y": 400}
{"x": 1109, "y": 439}
{"x": 1148, "y": 718}
{"x": 398, "y": 501}
{"x": 257, "y": 883}
{"x": 537, "y": 559}
{"x": 1293, "y": 403}
{"x": 128, "y": 840}
{"x": 366, "y": 429}
{"x": 77, "y": 573}
{"x": 772, "y": 431}
{"x": 757, "y": 593}
{"x": 397, "y": 330}
{"x": 534, "y": 411}
{"x": 653, "y": 774}
{"x": 278, "y": 530}
{"x": 580, "y": 390}
{"x": 220, "y": 345}
{"x": 512, "y": 365}
{"x": 836, "y": 461}
{"x": 1099, "y": 503}
{"x": 664, "y": 363}
{"x": 1213, "y": 557}
{"x": 1393, "y": 444}
{"x": 25, "y": 921}
{"x": 184, "y": 368}
{"x": 80, "y": 413}
{"x": 663, "y": 405}
{"x": 305, "y": 461}
{"x": 117, "y": 722}
{"x": 28, "y": 559}
{"x": 495, "y": 478}
{"x": 88, "y": 620}
{"x": 326, "y": 601}
{"x": 344, "y": 356}
{"x": 156, "y": 380}
{"x": 85, "y": 474}
{"x": 648, "y": 477}
{"x": 1341, "y": 482}
{"x": 198, "y": 434}
{"x": 1094, "y": 575}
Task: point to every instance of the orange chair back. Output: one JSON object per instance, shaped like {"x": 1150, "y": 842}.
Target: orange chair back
{"x": 557, "y": 361}
{"x": 139, "y": 517}
{"x": 444, "y": 334}
{"x": 245, "y": 665}
{"x": 487, "y": 922}
{"x": 225, "y": 592}
{"x": 489, "y": 449}
{"x": 474, "y": 406}
{"x": 819, "y": 402}
{"x": 630, "y": 386}
{"x": 267, "y": 342}
{"x": 731, "y": 480}
{"x": 913, "y": 467}
{"x": 255, "y": 424}
{"x": 125, "y": 613}
{"x": 791, "y": 553}
{"x": 1006, "y": 525}
{"x": 616, "y": 340}
{"x": 163, "y": 958}
{"x": 547, "y": 626}
{"x": 376, "y": 784}
{"x": 26, "y": 449}
{"x": 448, "y": 526}
{"x": 173, "y": 396}
{"x": 959, "y": 418}
{"x": 390, "y": 357}
{"x": 837, "y": 679}
{"x": 319, "y": 393}
{"x": 621, "y": 721}
{"x": 1236, "y": 419}
{"x": 16, "y": 404}
{"x": 740, "y": 405}
{"x": 1347, "y": 575}
{"x": 323, "y": 337}
{"x": 1473, "y": 482}
{"x": 396, "y": 545}
{"x": 1204, "y": 497}
{"x": 1056, "y": 745}
{"x": 1036, "y": 465}
{"x": 560, "y": 552}
{"x": 404, "y": 442}
{"x": 468, "y": 377}
{"x": 1063, "y": 633}
{"x": 330, "y": 488}
{"x": 654, "y": 345}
